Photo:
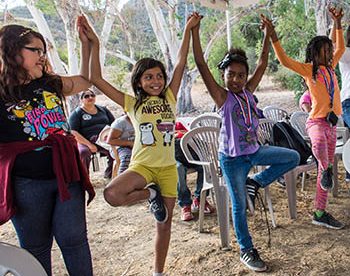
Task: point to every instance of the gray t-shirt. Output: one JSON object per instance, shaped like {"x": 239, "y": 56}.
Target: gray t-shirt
{"x": 122, "y": 124}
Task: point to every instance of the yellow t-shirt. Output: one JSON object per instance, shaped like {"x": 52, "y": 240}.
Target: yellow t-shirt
{"x": 319, "y": 94}
{"x": 154, "y": 124}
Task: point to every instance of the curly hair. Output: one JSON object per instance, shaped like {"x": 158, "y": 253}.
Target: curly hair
{"x": 12, "y": 74}
{"x": 139, "y": 68}
{"x": 234, "y": 55}
{"x": 313, "y": 50}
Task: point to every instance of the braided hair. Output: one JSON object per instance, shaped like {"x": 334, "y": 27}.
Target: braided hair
{"x": 313, "y": 50}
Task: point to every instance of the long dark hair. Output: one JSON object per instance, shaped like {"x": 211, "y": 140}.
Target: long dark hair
{"x": 139, "y": 68}
{"x": 313, "y": 50}
{"x": 12, "y": 74}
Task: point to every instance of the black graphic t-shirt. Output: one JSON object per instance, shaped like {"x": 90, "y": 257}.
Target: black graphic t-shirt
{"x": 36, "y": 115}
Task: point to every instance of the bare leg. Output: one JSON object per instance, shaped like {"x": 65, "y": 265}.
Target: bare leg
{"x": 163, "y": 232}
{"x": 126, "y": 189}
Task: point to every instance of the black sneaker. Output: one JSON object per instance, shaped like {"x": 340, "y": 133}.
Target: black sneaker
{"x": 327, "y": 182}
{"x": 327, "y": 220}
{"x": 252, "y": 260}
{"x": 156, "y": 205}
{"x": 252, "y": 189}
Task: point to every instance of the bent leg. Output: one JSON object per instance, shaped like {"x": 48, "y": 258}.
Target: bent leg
{"x": 85, "y": 155}
{"x": 126, "y": 189}
{"x": 280, "y": 160}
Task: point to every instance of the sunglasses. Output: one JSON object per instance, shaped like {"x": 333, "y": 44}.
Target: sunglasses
{"x": 86, "y": 96}
{"x": 39, "y": 51}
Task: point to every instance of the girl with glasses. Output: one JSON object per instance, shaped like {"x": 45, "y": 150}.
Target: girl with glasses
{"x": 42, "y": 180}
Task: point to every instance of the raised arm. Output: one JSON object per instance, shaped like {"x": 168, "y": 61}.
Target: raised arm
{"x": 217, "y": 92}
{"x": 339, "y": 39}
{"x": 298, "y": 67}
{"x": 76, "y": 84}
{"x": 181, "y": 61}
{"x": 255, "y": 79}
{"x": 95, "y": 67}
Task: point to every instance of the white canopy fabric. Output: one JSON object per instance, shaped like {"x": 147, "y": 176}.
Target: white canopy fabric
{"x": 223, "y": 4}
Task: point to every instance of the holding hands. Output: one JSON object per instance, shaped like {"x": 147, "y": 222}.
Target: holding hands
{"x": 193, "y": 21}
{"x": 336, "y": 15}
{"x": 85, "y": 30}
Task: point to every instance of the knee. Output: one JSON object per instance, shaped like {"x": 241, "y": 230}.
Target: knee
{"x": 295, "y": 159}
{"x": 112, "y": 198}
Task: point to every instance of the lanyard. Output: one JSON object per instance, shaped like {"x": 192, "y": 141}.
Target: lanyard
{"x": 330, "y": 84}
{"x": 247, "y": 116}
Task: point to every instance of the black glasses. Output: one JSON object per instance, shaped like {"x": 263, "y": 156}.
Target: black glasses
{"x": 39, "y": 51}
{"x": 86, "y": 96}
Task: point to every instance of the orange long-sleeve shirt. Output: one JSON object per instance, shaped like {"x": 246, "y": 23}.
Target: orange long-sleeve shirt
{"x": 319, "y": 94}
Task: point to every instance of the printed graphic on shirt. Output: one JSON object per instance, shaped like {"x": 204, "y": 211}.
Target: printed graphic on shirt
{"x": 164, "y": 120}
{"x": 147, "y": 136}
{"x": 40, "y": 116}
{"x": 167, "y": 129}
{"x": 247, "y": 136}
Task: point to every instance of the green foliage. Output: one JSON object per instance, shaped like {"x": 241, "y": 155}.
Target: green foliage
{"x": 46, "y": 6}
{"x": 294, "y": 30}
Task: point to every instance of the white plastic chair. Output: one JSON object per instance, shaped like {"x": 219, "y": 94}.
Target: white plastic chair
{"x": 18, "y": 262}
{"x": 346, "y": 155}
{"x": 342, "y": 138}
{"x": 275, "y": 114}
{"x": 204, "y": 142}
{"x": 208, "y": 119}
{"x": 264, "y": 132}
{"x": 298, "y": 121}
{"x": 101, "y": 140}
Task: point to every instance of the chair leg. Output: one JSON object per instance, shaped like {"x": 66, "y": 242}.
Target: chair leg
{"x": 303, "y": 181}
{"x": 290, "y": 178}
{"x": 269, "y": 204}
{"x": 335, "y": 175}
{"x": 201, "y": 210}
{"x": 222, "y": 204}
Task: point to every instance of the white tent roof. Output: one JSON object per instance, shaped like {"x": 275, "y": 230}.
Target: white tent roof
{"x": 223, "y": 4}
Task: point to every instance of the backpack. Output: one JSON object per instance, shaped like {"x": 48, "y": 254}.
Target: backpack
{"x": 284, "y": 135}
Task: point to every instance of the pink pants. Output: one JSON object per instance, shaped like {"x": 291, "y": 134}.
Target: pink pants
{"x": 323, "y": 140}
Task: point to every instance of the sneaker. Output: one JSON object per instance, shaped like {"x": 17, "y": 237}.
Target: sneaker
{"x": 186, "y": 214}
{"x": 208, "y": 208}
{"x": 327, "y": 182}
{"x": 252, "y": 189}
{"x": 327, "y": 220}
{"x": 195, "y": 205}
{"x": 252, "y": 260}
{"x": 156, "y": 205}
{"x": 281, "y": 182}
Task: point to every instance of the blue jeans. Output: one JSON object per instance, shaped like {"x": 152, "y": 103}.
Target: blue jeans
{"x": 40, "y": 216}
{"x": 183, "y": 193}
{"x": 235, "y": 170}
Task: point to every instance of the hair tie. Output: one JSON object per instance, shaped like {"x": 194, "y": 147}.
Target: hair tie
{"x": 229, "y": 58}
{"x": 25, "y": 32}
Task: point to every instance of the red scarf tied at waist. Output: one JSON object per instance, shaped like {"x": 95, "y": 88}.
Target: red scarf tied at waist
{"x": 66, "y": 166}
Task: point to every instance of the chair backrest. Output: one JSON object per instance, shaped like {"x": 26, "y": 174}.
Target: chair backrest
{"x": 264, "y": 131}
{"x": 298, "y": 121}
{"x": 102, "y": 137}
{"x": 209, "y": 119}
{"x": 275, "y": 114}
{"x": 205, "y": 143}
{"x": 18, "y": 262}
{"x": 346, "y": 156}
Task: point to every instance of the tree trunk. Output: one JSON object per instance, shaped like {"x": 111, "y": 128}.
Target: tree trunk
{"x": 321, "y": 17}
{"x": 69, "y": 11}
{"x": 44, "y": 29}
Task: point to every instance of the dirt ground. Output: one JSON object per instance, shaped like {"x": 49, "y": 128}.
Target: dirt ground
{"x": 121, "y": 239}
